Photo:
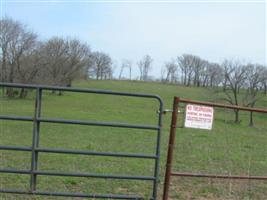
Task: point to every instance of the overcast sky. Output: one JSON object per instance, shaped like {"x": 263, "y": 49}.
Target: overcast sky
{"x": 213, "y": 31}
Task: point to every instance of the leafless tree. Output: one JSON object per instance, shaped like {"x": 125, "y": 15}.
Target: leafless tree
{"x": 78, "y": 58}
{"x": 29, "y": 69}
{"x": 101, "y": 65}
{"x": 130, "y": 69}
{"x": 126, "y": 64}
{"x": 235, "y": 75}
{"x": 203, "y": 74}
{"x": 263, "y": 81}
{"x": 199, "y": 72}
{"x": 129, "y": 65}
{"x": 162, "y": 74}
{"x": 215, "y": 74}
{"x": 8, "y": 26}
{"x": 186, "y": 64}
{"x": 16, "y": 43}
{"x": 252, "y": 85}
{"x": 199, "y": 69}
{"x": 54, "y": 53}
{"x": 63, "y": 60}
{"x": 145, "y": 65}
{"x": 121, "y": 70}
{"x": 171, "y": 70}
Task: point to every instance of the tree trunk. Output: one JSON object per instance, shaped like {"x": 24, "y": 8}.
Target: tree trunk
{"x": 10, "y": 92}
{"x": 188, "y": 81}
{"x": 185, "y": 78}
{"x": 3, "y": 91}
{"x": 211, "y": 82}
{"x": 237, "y": 116}
{"x": 224, "y": 85}
{"x": 97, "y": 74}
{"x": 23, "y": 93}
{"x": 251, "y": 123}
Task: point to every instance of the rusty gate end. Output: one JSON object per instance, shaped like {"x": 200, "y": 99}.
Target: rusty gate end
{"x": 169, "y": 173}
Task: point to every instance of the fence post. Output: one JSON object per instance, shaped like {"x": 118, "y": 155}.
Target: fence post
{"x": 171, "y": 148}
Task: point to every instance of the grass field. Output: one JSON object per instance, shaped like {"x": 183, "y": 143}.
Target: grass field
{"x": 228, "y": 149}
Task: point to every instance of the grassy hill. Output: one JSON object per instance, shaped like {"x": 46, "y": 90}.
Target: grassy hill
{"x": 228, "y": 149}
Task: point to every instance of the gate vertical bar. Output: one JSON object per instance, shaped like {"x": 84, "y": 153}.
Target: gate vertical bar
{"x": 176, "y": 101}
{"x": 35, "y": 138}
{"x": 157, "y": 161}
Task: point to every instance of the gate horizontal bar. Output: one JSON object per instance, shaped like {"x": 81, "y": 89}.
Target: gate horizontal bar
{"x": 15, "y": 171}
{"x": 66, "y": 194}
{"x": 80, "y": 90}
{"x": 80, "y": 152}
{"x": 92, "y": 123}
{"x": 80, "y": 122}
{"x": 91, "y": 175}
{"x": 15, "y": 148}
{"x": 235, "y": 107}
{"x": 218, "y": 176}
{"x": 16, "y": 118}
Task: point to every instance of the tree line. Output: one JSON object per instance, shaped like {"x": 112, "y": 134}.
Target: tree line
{"x": 24, "y": 58}
{"x": 191, "y": 70}
{"x": 57, "y": 61}
{"x": 234, "y": 82}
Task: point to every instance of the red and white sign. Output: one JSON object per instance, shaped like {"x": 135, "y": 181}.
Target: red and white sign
{"x": 199, "y": 117}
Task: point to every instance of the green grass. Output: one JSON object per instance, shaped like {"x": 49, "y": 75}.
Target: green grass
{"x": 228, "y": 149}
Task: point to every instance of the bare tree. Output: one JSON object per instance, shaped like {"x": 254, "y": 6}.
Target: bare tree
{"x": 196, "y": 71}
{"x": 29, "y": 69}
{"x": 64, "y": 60}
{"x": 162, "y": 74}
{"x": 215, "y": 73}
{"x": 263, "y": 81}
{"x": 186, "y": 64}
{"x": 198, "y": 65}
{"x": 54, "y": 51}
{"x": 235, "y": 75}
{"x": 126, "y": 64}
{"x": 77, "y": 54}
{"x": 8, "y": 27}
{"x": 130, "y": 69}
{"x": 145, "y": 65}
{"x": 171, "y": 69}
{"x": 15, "y": 41}
{"x": 101, "y": 65}
{"x": 203, "y": 77}
{"x": 252, "y": 85}
{"x": 121, "y": 70}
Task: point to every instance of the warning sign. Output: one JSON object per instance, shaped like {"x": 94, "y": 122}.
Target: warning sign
{"x": 199, "y": 117}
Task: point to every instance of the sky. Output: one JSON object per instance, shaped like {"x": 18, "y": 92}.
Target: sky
{"x": 164, "y": 30}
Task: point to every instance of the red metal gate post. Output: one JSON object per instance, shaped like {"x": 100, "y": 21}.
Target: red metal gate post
{"x": 171, "y": 148}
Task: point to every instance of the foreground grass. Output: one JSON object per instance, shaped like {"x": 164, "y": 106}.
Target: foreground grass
{"x": 228, "y": 149}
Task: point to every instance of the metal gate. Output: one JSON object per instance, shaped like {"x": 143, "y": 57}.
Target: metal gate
{"x": 169, "y": 173}
{"x": 37, "y": 119}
